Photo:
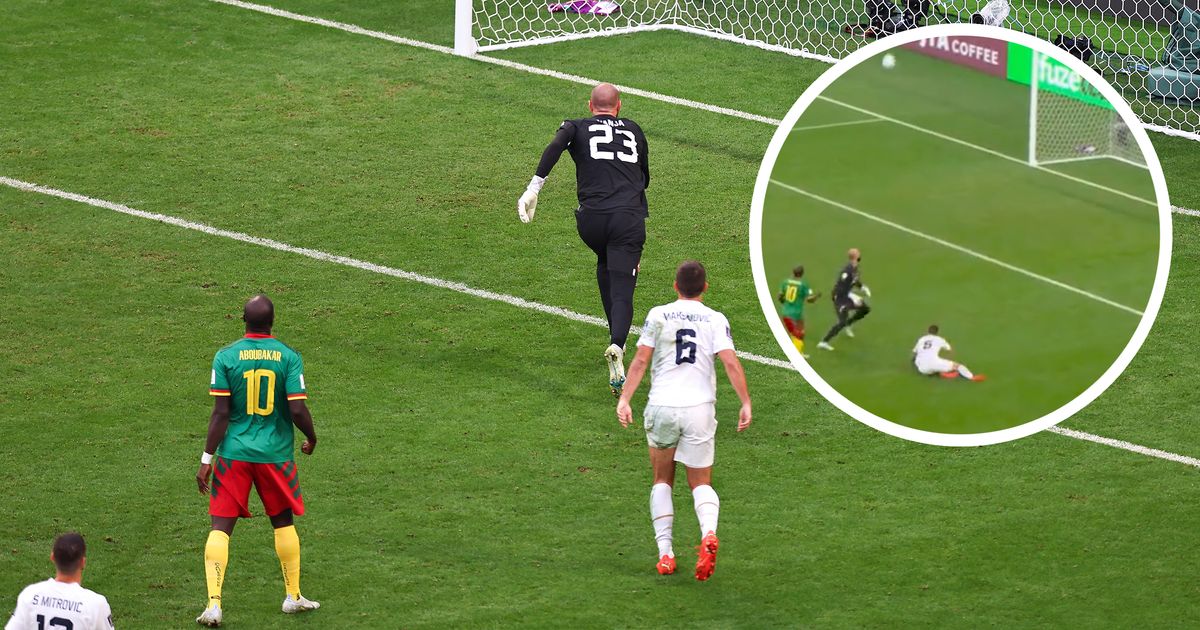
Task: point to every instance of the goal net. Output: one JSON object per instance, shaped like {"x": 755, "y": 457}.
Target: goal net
{"x": 1149, "y": 49}
{"x": 1070, "y": 120}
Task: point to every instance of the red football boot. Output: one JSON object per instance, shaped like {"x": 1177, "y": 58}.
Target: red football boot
{"x": 708, "y": 556}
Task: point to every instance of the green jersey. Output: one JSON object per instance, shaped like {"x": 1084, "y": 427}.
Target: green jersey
{"x": 260, "y": 374}
{"x": 795, "y": 291}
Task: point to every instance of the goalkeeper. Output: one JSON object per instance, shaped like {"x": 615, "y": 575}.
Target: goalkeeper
{"x": 611, "y": 176}
{"x": 849, "y": 305}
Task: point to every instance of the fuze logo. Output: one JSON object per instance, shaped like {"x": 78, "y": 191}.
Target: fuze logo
{"x": 1050, "y": 72}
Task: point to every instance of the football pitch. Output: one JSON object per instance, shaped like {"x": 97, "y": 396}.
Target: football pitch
{"x": 959, "y": 237}
{"x": 471, "y": 472}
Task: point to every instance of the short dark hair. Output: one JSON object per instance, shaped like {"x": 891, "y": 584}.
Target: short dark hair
{"x": 976, "y": 18}
{"x": 798, "y": 271}
{"x": 69, "y": 550}
{"x": 933, "y": 329}
{"x": 690, "y": 278}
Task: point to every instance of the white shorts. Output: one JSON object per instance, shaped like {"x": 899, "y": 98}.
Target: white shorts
{"x": 935, "y": 365}
{"x": 691, "y": 431}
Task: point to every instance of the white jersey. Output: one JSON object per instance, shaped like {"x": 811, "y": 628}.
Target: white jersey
{"x": 686, "y": 336}
{"x": 54, "y": 605}
{"x": 929, "y": 348}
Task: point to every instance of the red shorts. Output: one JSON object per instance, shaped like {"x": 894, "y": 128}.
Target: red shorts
{"x": 795, "y": 327}
{"x": 278, "y": 486}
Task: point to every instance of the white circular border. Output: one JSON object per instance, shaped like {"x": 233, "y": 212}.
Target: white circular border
{"x": 767, "y": 301}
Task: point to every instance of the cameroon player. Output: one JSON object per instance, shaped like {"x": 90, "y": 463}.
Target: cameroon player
{"x": 794, "y": 293}
{"x": 258, "y": 388}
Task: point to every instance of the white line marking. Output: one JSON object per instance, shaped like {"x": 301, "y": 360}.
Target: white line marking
{"x": 836, "y": 124}
{"x": 468, "y": 290}
{"x": 725, "y": 111}
{"x": 956, "y": 247}
{"x": 358, "y": 30}
{"x": 343, "y": 260}
{"x": 990, "y": 151}
{"x": 1128, "y": 446}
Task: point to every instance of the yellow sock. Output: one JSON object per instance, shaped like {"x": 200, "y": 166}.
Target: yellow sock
{"x": 799, "y": 343}
{"x": 287, "y": 547}
{"x": 216, "y": 557}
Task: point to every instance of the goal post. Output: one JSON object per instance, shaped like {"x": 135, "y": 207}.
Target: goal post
{"x": 1070, "y": 120}
{"x": 1149, "y": 49}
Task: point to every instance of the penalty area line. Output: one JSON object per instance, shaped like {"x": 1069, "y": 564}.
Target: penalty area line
{"x": 1128, "y": 446}
{"x": 343, "y": 260}
{"x": 480, "y": 293}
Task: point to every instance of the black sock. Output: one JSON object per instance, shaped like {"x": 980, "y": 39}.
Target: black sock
{"x": 621, "y": 316}
{"x": 602, "y": 281}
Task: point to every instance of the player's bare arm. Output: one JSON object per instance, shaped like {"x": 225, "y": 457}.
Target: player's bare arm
{"x": 527, "y": 204}
{"x": 218, "y": 424}
{"x": 812, "y": 297}
{"x": 737, "y": 378}
{"x": 302, "y": 418}
{"x": 633, "y": 378}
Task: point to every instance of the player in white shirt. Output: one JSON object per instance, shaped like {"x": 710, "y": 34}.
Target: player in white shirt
{"x": 928, "y": 359}
{"x": 61, "y": 603}
{"x": 678, "y": 344}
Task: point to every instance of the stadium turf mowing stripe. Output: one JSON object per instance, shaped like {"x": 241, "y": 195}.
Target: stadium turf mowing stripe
{"x": 489, "y": 295}
{"x": 835, "y": 124}
{"x": 965, "y": 250}
{"x": 716, "y": 109}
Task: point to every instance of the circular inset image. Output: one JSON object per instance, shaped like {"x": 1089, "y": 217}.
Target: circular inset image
{"x": 960, "y": 235}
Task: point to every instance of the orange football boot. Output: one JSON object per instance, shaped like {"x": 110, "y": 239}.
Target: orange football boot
{"x": 666, "y": 565}
{"x": 949, "y": 374}
{"x": 978, "y": 377}
{"x": 708, "y": 556}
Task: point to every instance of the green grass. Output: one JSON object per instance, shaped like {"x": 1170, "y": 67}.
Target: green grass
{"x": 470, "y": 471}
{"x": 1004, "y": 324}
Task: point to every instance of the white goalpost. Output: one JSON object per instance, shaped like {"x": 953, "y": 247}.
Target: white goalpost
{"x": 1150, "y": 49}
{"x": 490, "y": 25}
{"x": 1070, "y": 121}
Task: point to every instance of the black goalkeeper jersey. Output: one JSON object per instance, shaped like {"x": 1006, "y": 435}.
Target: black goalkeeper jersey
{"x": 612, "y": 168}
{"x": 847, "y": 280}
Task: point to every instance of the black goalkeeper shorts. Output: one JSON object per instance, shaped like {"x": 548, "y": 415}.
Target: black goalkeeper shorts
{"x": 616, "y": 237}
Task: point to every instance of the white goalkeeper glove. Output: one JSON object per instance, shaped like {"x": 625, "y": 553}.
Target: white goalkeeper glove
{"x": 865, "y": 291}
{"x": 527, "y": 204}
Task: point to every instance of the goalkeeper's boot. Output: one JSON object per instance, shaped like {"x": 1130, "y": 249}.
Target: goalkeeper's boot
{"x": 211, "y": 617}
{"x": 978, "y": 377}
{"x": 824, "y": 345}
{"x": 616, "y": 368}
{"x": 849, "y": 332}
{"x": 299, "y": 605}
{"x": 666, "y": 565}
{"x": 708, "y": 556}
{"x": 950, "y": 374}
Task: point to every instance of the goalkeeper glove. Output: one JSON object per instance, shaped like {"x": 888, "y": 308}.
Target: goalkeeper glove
{"x": 865, "y": 291}
{"x": 527, "y": 204}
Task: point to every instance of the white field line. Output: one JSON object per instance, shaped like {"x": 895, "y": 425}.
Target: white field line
{"x": 998, "y": 154}
{"x": 683, "y": 102}
{"x": 358, "y": 30}
{"x": 836, "y": 124}
{"x": 343, "y": 260}
{"x": 468, "y": 290}
{"x": 1128, "y": 446}
{"x": 959, "y": 248}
